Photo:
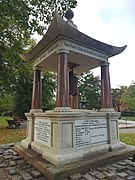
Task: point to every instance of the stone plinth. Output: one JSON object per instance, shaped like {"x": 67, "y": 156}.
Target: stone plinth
{"x": 70, "y": 136}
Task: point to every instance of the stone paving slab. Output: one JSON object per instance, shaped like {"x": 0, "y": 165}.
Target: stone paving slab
{"x": 16, "y": 168}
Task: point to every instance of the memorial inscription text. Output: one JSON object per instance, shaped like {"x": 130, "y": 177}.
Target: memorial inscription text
{"x": 42, "y": 131}
{"x": 90, "y": 132}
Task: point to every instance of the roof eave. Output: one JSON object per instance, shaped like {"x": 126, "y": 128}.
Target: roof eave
{"x": 59, "y": 27}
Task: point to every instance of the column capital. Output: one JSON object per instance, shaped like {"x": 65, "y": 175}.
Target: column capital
{"x": 37, "y": 68}
{"x": 63, "y": 50}
{"x": 106, "y": 63}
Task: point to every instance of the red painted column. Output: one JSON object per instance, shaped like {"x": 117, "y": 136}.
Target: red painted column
{"x": 37, "y": 90}
{"x": 106, "y": 96}
{"x": 62, "y": 80}
{"x": 74, "y": 102}
{"x": 73, "y": 90}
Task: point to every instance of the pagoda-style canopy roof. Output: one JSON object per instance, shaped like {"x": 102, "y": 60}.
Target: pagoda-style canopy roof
{"x": 84, "y": 52}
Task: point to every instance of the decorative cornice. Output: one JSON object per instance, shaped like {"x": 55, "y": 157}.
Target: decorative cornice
{"x": 67, "y": 46}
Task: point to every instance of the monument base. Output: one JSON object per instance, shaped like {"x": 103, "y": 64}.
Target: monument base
{"x": 66, "y": 136}
{"x": 54, "y": 172}
{"x": 76, "y": 155}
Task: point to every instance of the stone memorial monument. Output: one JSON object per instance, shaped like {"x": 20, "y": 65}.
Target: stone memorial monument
{"x": 67, "y": 134}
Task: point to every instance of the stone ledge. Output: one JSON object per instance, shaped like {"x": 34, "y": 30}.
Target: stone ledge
{"x": 53, "y": 172}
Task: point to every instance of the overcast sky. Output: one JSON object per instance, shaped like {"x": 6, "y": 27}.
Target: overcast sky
{"x": 112, "y": 22}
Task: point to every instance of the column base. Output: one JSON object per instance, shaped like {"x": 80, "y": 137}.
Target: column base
{"x": 36, "y": 111}
{"x": 62, "y": 109}
{"x": 107, "y": 110}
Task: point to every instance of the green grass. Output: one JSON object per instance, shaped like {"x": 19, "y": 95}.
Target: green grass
{"x": 3, "y": 122}
{"x": 10, "y": 135}
{"x": 128, "y": 138}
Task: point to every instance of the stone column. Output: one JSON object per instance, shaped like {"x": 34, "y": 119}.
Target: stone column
{"x": 106, "y": 96}
{"x": 36, "y": 105}
{"x": 62, "y": 80}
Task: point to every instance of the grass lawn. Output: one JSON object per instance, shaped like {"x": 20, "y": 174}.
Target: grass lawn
{"x": 10, "y": 135}
{"x": 3, "y": 122}
{"x": 128, "y": 138}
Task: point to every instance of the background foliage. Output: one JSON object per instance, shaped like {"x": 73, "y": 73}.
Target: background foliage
{"x": 19, "y": 21}
{"x": 124, "y": 98}
{"x": 128, "y": 97}
{"x": 89, "y": 90}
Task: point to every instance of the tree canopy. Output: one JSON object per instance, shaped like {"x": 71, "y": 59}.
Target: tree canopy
{"x": 49, "y": 89}
{"x": 124, "y": 98}
{"x": 19, "y": 20}
{"x": 117, "y": 94}
{"x": 89, "y": 90}
{"x": 128, "y": 97}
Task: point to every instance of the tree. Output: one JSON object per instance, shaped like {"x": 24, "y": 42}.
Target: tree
{"x": 21, "y": 90}
{"x": 89, "y": 90}
{"x": 19, "y": 20}
{"x": 16, "y": 81}
{"x": 128, "y": 97}
{"x": 6, "y": 102}
{"x": 49, "y": 89}
{"x": 116, "y": 97}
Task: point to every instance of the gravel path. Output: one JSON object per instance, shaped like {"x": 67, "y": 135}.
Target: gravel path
{"x": 13, "y": 167}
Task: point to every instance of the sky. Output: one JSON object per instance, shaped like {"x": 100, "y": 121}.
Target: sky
{"x": 112, "y": 22}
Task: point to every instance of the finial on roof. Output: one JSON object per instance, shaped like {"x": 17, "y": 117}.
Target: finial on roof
{"x": 69, "y": 15}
